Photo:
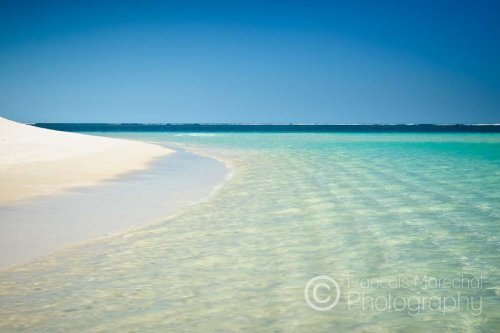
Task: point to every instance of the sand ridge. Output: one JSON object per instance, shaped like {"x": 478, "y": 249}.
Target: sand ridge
{"x": 36, "y": 161}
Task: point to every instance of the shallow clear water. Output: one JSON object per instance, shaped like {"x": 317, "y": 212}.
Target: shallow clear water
{"x": 351, "y": 206}
{"x": 41, "y": 225}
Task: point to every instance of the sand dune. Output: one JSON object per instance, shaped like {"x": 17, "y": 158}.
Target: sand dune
{"x": 36, "y": 161}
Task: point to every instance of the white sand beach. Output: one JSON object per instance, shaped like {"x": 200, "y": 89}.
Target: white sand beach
{"x": 36, "y": 161}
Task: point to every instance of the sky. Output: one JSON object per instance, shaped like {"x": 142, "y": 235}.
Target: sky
{"x": 328, "y": 62}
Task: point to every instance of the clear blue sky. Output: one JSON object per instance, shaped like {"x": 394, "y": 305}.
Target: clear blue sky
{"x": 250, "y": 61}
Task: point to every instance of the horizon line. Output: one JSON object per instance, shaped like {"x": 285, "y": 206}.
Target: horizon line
{"x": 266, "y": 124}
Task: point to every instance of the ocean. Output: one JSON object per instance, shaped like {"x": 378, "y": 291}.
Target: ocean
{"x": 400, "y": 226}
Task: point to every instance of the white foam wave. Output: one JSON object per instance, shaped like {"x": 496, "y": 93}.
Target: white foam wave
{"x": 196, "y": 134}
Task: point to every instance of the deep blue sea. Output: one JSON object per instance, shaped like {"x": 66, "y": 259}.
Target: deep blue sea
{"x": 269, "y": 128}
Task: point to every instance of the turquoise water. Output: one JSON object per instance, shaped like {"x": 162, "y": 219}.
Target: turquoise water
{"x": 355, "y": 207}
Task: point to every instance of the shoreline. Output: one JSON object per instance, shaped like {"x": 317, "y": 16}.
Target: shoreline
{"x": 60, "y": 189}
{"x": 34, "y": 228}
{"x": 37, "y": 162}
